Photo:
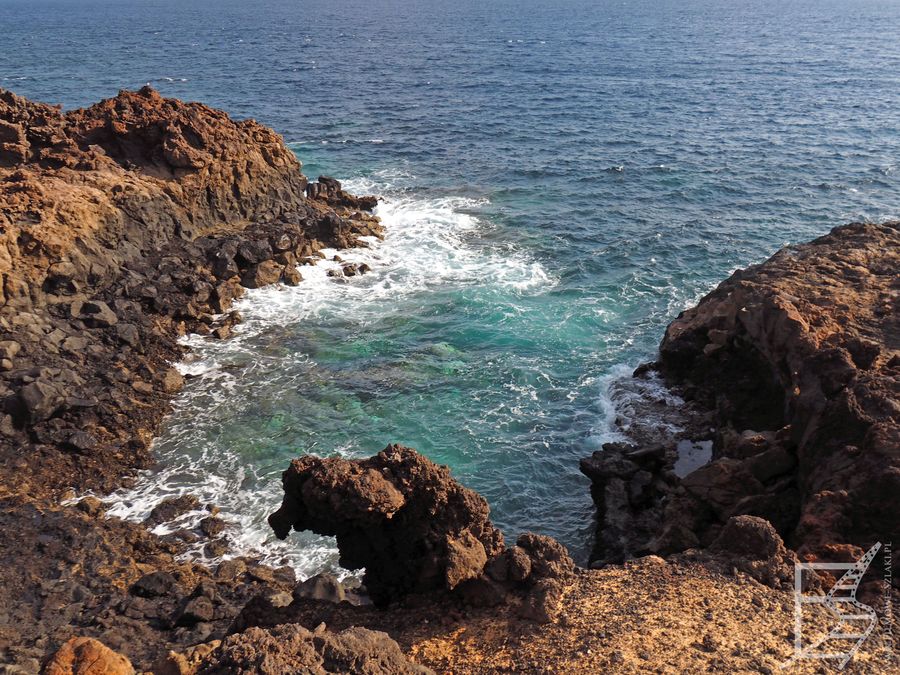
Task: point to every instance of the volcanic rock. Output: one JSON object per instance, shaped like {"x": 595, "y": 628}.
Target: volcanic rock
{"x": 294, "y": 649}
{"x": 804, "y": 346}
{"x": 171, "y": 508}
{"x": 154, "y": 585}
{"x": 397, "y": 514}
{"x": 321, "y": 587}
{"x": 797, "y": 358}
{"x": 86, "y": 656}
{"x": 753, "y": 546}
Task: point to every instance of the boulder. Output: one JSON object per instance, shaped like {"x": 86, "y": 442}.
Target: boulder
{"x": 86, "y": 656}
{"x": 41, "y": 399}
{"x": 400, "y": 516}
{"x": 153, "y": 585}
{"x": 265, "y": 273}
{"x": 212, "y": 526}
{"x": 171, "y": 508}
{"x": 321, "y": 587}
{"x": 95, "y": 313}
{"x": 752, "y": 545}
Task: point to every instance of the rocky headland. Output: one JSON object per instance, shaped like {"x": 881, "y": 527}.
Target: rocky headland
{"x": 140, "y": 219}
{"x": 795, "y": 366}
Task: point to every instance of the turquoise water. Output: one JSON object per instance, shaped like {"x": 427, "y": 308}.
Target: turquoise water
{"x": 560, "y": 179}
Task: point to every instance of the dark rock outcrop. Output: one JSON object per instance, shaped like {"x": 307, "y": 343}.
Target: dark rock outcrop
{"x": 397, "y": 514}
{"x": 798, "y": 359}
{"x": 418, "y": 533}
{"x": 751, "y": 545}
{"x": 630, "y": 487}
{"x": 122, "y": 227}
{"x": 803, "y": 350}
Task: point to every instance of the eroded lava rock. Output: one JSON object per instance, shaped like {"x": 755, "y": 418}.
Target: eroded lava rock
{"x": 798, "y": 359}
{"x": 397, "y": 514}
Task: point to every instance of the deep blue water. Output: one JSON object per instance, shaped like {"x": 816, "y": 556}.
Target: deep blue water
{"x": 560, "y": 180}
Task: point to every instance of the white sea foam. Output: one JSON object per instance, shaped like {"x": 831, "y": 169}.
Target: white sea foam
{"x": 431, "y": 243}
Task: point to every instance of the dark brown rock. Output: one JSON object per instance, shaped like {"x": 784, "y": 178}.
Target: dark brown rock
{"x": 86, "y": 656}
{"x": 800, "y": 349}
{"x": 397, "y": 514}
{"x": 753, "y": 546}
{"x": 321, "y": 587}
{"x": 171, "y": 508}
{"x": 154, "y": 585}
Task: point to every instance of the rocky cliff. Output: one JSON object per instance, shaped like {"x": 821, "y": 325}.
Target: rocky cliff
{"x": 122, "y": 227}
{"x": 798, "y": 359}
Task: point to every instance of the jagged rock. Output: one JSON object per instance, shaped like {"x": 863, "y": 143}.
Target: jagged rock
{"x": 86, "y": 656}
{"x": 82, "y": 441}
{"x": 120, "y": 232}
{"x": 41, "y": 400}
{"x": 549, "y": 558}
{"x": 196, "y": 610}
{"x": 397, "y": 514}
{"x": 265, "y": 273}
{"x": 94, "y": 313}
{"x": 129, "y": 334}
{"x": 630, "y": 487}
{"x": 753, "y": 546}
{"x": 254, "y": 252}
{"x": 212, "y": 526}
{"x": 799, "y": 349}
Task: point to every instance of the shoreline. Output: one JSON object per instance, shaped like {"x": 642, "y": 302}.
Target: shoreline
{"x": 141, "y": 219}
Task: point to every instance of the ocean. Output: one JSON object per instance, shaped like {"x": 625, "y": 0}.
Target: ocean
{"x": 559, "y": 180}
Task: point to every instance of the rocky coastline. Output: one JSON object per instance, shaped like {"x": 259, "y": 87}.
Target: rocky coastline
{"x": 129, "y": 224}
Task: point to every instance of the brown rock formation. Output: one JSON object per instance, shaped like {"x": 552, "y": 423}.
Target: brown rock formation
{"x": 397, "y": 514}
{"x": 806, "y": 347}
{"x": 86, "y": 656}
{"x": 122, "y": 226}
{"x": 416, "y": 531}
{"x": 799, "y": 359}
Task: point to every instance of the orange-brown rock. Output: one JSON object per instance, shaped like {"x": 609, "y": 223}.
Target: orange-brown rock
{"x": 122, "y": 227}
{"x": 397, "y": 514}
{"x": 800, "y": 359}
{"x": 86, "y": 656}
